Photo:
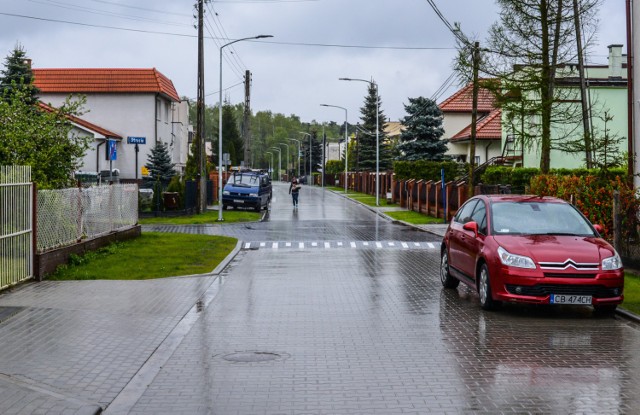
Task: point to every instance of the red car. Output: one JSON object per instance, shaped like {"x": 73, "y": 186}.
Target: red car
{"x": 530, "y": 249}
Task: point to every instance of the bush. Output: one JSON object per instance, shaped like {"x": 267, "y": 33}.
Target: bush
{"x": 593, "y": 197}
{"x": 427, "y": 170}
{"x": 334, "y": 166}
{"x": 518, "y": 177}
{"x": 177, "y": 185}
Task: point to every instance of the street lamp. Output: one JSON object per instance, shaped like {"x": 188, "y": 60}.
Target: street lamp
{"x": 286, "y": 164}
{"x": 346, "y": 141}
{"x": 279, "y": 162}
{"x": 373, "y": 84}
{"x": 220, "y": 219}
{"x": 297, "y": 141}
{"x": 270, "y": 164}
{"x": 310, "y": 154}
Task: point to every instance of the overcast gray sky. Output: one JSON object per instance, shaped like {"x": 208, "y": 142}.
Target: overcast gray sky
{"x": 401, "y": 44}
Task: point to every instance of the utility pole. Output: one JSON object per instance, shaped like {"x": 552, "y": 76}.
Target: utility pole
{"x": 246, "y": 122}
{"x": 201, "y": 198}
{"x": 474, "y": 116}
{"x": 583, "y": 87}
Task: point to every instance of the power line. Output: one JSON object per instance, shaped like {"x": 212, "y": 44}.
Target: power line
{"x": 230, "y": 54}
{"x": 72, "y": 6}
{"x": 453, "y": 30}
{"x": 194, "y": 36}
{"x": 139, "y": 8}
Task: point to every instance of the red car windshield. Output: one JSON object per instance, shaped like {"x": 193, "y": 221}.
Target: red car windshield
{"x": 538, "y": 218}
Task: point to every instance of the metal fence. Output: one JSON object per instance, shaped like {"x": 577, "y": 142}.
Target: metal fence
{"x": 67, "y": 216}
{"x": 16, "y": 227}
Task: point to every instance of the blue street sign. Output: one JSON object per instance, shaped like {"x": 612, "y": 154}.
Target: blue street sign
{"x": 113, "y": 155}
{"x": 136, "y": 140}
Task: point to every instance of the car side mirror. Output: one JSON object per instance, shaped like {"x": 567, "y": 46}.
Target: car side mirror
{"x": 471, "y": 226}
{"x": 599, "y": 228}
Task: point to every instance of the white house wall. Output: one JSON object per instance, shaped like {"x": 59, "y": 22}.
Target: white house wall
{"x": 453, "y": 123}
{"x": 129, "y": 115}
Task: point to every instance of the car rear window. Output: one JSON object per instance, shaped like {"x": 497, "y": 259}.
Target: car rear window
{"x": 538, "y": 218}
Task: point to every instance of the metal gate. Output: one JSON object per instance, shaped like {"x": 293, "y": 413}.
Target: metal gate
{"x": 16, "y": 225}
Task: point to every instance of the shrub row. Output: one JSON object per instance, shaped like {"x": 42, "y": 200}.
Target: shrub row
{"x": 427, "y": 170}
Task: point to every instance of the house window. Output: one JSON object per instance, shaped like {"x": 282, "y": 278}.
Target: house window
{"x": 166, "y": 112}
{"x": 158, "y": 107}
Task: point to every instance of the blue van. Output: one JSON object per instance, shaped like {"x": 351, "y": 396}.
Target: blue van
{"x": 247, "y": 189}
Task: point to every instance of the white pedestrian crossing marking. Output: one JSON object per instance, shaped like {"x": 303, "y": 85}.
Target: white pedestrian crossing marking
{"x": 341, "y": 244}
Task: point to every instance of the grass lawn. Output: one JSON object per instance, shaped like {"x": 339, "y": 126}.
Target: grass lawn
{"x": 208, "y": 217}
{"x": 152, "y": 255}
{"x": 413, "y": 217}
{"x": 631, "y": 293}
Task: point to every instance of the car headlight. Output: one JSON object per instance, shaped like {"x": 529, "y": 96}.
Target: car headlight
{"x": 513, "y": 260}
{"x": 225, "y": 193}
{"x": 253, "y": 195}
{"x": 612, "y": 263}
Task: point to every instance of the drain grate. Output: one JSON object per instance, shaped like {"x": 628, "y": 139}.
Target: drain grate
{"x": 254, "y": 357}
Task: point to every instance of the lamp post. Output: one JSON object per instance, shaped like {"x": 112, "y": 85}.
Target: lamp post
{"x": 220, "y": 219}
{"x": 297, "y": 141}
{"x": 270, "y": 164}
{"x": 279, "y": 162}
{"x": 346, "y": 141}
{"x": 310, "y": 154}
{"x": 286, "y": 163}
{"x": 373, "y": 84}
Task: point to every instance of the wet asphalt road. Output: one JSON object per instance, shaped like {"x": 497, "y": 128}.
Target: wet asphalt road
{"x": 330, "y": 309}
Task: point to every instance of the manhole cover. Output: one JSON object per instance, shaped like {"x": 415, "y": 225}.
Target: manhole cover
{"x": 253, "y": 357}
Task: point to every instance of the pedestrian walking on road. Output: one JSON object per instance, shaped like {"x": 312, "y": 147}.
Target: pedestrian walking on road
{"x": 294, "y": 190}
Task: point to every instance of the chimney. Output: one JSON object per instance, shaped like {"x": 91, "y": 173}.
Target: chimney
{"x": 615, "y": 61}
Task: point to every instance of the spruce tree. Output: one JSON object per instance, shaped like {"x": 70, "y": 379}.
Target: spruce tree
{"x": 17, "y": 74}
{"x": 421, "y": 140}
{"x": 232, "y": 142}
{"x": 367, "y": 137}
{"x": 159, "y": 163}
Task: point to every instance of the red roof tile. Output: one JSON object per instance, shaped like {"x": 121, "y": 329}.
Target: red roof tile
{"x": 462, "y": 101}
{"x": 488, "y": 128}
{"x": 105, "y": 80}
{"x": 82, "y": 122}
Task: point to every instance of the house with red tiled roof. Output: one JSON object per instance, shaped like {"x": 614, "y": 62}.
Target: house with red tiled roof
{"x": 135, "y": 107}
{"x": 456, "y": 123}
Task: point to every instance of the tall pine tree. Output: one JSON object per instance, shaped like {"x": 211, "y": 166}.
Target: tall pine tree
{"x": 367, "y": 138}
{"x": 159, "y": 163}
{"x": 17, "y": 74}
{"x": 232, "y": 142}
{"x": 421, "y": 140}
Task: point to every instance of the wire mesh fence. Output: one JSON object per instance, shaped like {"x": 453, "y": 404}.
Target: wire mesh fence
{"x": 67, "y": 216}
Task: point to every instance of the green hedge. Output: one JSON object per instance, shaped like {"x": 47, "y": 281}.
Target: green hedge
{"x": 522, "y": 176}
{"x": 427, "y": 170}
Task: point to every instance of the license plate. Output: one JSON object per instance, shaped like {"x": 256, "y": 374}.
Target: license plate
{"x": 570, "y": 299}
{"x": 238, "y": 201}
